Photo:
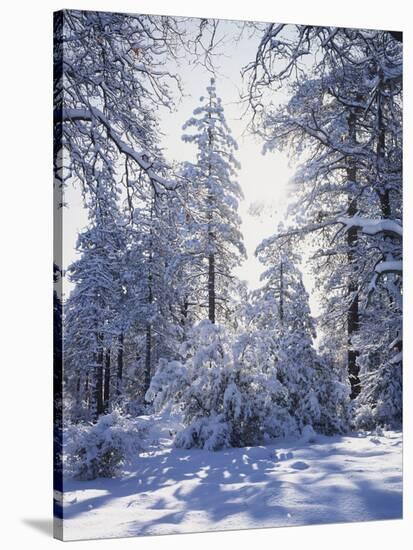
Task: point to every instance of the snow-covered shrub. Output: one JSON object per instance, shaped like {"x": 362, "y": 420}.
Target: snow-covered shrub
{"x": 380, "y": 401}
{"x": 380, "y": 362}
{"x": 170, "y": 380}
{"x": 256, "y": 355}
{"x": 295, "y": 369}
{"x": 364, "y": 418}
{"x": 211, "y": 433}
{"x": 264, "y": 382}
{"x": 222, "y": 390}
{"x": 333, "y": 392}
{"x": 134, "y": 407}
{"x": 99, "y": 450}
{"x": 334, "y": 399}
{"x": 199, "y": 386}
{"x": 285, "y": 333}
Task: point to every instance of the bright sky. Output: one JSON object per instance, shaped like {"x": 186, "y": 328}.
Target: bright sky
{"x": 263, "y": 178}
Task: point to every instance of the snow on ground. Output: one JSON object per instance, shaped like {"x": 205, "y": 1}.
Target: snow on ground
{"x": 334, "y": 479}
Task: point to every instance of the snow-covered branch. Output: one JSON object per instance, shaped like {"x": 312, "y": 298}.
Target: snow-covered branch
{"x": 389, "y": 266}
{"x": 93, "y": 113}
{"x": 372, "y": 227}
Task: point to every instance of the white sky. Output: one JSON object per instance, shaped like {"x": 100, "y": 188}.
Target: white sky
{"x": 263, "y": 178}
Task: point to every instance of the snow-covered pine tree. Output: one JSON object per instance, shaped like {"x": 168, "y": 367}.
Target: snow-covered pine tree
{"x": 281, "y": 311}
{"x": 93, "y": 306}
{"x": 116, "y": 130}
{"x": 325, "y": 187}
{"x": 114, "y": 65}
{"x": 380, "y": 400}
{"x": 343, "y": 124}
{"x": 215, "y": 244}
{"x": 154, "y": 314}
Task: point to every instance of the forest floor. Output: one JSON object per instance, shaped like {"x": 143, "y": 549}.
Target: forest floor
{"x": 291, "y": 482}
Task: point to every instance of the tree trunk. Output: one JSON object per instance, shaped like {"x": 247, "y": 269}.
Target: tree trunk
{"x": 148, "y": 345}
{"x": 384, "y": 195}
{"x": 353, "y": 320}
{"x": 385, "y": 204}
{"x": 281, "y": 293}
{"x": 148, "y": 358}
{"x": 211, "y": 287}
{"x": 79, "y": 395}
{"x": 211, "y": 236}
{"x": 184, "y": 312}
{"x": 98, "y": 389}
{"x": 119, "y": 372}
{"x": 353, "y": 316}
{"x": 106, "y": 385}
{"x": 87, "y": 396}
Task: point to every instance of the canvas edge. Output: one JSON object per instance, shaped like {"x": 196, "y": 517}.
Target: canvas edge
{"x": 57, "y": 280}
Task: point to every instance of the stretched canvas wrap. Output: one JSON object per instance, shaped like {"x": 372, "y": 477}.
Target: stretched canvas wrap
{"x": 228, "y": 274}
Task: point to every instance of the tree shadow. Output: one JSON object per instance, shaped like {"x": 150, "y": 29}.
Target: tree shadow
{"x": 158, "y": 472}
{"x": 240, "y": 483}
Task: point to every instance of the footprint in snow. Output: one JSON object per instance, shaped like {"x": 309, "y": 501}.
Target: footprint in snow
{"x": 300, "y": 465}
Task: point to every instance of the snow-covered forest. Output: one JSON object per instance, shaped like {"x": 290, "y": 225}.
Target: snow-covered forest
{"x": 191, "y": 398}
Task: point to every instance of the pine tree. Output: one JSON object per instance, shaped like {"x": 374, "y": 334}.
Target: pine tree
{"x": 216, "y": 242}
{"x": 380, "y": 400}
{"x": 343, "y": 123}
{"x": 92, "y": 308}
{"x": 282, "y": 309}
